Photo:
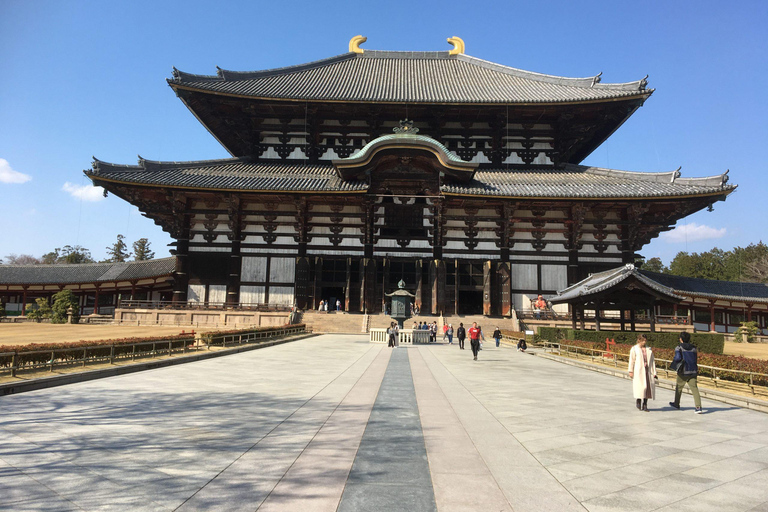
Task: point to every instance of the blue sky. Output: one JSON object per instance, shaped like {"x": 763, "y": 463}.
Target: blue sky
{"x": 82, "y": 78}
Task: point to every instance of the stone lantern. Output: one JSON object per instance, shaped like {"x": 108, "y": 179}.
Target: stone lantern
{"x": 401, "y": 303}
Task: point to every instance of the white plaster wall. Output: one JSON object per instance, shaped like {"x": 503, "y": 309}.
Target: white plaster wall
{"x": 253, "y": 268}
{"x": 252, "y": 294}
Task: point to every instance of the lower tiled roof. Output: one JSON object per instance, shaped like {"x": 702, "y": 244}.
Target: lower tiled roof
{"x": 602, "y": 281}
{"x": 85, "y": 272}
{"x": 573, "y": 181}
{"x": 711, "y": 288}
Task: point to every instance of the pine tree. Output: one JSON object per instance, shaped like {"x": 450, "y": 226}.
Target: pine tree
{"x": 117, "y": 252}
{"x": 141, "y": 250}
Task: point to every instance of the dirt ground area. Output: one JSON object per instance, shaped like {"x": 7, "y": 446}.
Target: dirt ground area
{"x": 21, "y": 334}
{"x": 756, "y": 350}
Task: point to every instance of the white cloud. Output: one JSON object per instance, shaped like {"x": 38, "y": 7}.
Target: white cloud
{"x": 84, "y": 192}
{"x": 8, "y": 175}
{"x": 692, "y": 232}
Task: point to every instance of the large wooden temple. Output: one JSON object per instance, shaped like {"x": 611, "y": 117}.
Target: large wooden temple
{"x": 459, "y": 176}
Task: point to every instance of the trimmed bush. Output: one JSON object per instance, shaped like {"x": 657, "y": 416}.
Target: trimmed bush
{"x": 711, "y": 343}
{"x": 217, "y": 337}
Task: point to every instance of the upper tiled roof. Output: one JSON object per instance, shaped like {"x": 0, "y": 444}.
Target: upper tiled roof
{"x": 710, "y": 288}
{"x": 602, "y": 281}
{"x": 418, "y": 77}
{"x": 86, "y": 272}
{"x": 574, "y": 181}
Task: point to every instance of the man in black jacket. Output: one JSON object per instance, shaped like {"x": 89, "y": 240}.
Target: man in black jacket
{"x": 461, "y": 333}
{"x": 685, "y": 362}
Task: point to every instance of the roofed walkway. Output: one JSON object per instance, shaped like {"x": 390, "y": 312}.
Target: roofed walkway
{"x": 335, "y": 423}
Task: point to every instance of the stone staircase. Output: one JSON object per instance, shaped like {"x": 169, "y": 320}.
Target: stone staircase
{"x": 357, "y": 323}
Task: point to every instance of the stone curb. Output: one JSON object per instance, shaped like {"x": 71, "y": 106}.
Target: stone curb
{"x": 13, "y": 388}
{"x": 737, "y": 400}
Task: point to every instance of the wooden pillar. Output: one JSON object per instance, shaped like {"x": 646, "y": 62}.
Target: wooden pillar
{"x": 24, "y": 302}
{"x": 181, "y": 272}
{"x": 385, "y": 280}
{"x": 437, "y": 286}
{"x": 302, "y": 283}
{"x": 581, "y": 315}
{"x": 133, "y": 289}
{"x": 456, "y": 285}
{"x": 505, "y": 289}
{"x": 623, "y": 320}
{"x": 574, "y": 311}
{"x": 712, "y": 317}
{"x": 233, "y": 278}
{"x": 96, "y": 301}
{"x": 597, "y": 316}
{"x": 348, "y": 286}
{"x": 653, "y": 317}
{"x": 487, "y": 292}
{"x": 632, "y": 319}
{"x": 367, "y": 285}
{"x": 419, "y": 284}
{"x": 749, "y": 312}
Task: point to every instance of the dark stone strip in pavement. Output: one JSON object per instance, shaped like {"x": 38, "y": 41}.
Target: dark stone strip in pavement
{"x": 391, "y": 471}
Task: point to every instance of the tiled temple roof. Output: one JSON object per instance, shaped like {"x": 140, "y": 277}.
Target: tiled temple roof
{"x": 573, "y": 181}
{"x": 86, "y": 272}
{"x": 601, "y": 281}
{"x": 711, "y": 288}
{"x": 416, "y": 77}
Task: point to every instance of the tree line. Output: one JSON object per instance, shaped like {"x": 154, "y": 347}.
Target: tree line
{"x": 743, "y": 264}
{"x": 74, "y": 254}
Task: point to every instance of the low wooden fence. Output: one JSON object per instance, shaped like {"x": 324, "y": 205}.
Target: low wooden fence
{"x": 718, "y": 377}
{"x": 33, "y": 360}
{"x": 406, "y": 336}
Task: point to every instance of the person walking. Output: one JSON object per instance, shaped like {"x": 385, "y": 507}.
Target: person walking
{"x": 685, "y": 363}
{"x": 642, "y": 370}
{"x": 449, "y": 333}
{"x": 497, "y": 336}
{"x": 391, "y": 335}
{"x": 445, "y": 332}
{"x": 396, "y": 329}
{"x": 338, "y": 305}
{"x": 461, "y": 333}
{"x": 474, "y": 339}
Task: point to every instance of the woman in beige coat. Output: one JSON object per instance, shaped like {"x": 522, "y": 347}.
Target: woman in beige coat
{"x": 642, "y": 370}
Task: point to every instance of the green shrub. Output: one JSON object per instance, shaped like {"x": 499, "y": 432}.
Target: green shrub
{"x": 746, "y": 332}
{"x": 39, "y": 310}
{"x": 711, "y": 343}
{"x": 62, "y": 302}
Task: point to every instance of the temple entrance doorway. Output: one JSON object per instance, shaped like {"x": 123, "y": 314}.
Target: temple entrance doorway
{"x": 470, "y": 302}
{"x": 332, "y": 294}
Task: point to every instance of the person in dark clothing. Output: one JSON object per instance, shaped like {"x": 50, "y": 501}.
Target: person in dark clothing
{"x": 391, "y": 334}
{"x": 685, "y": 363}
{"x": 461, "y": 334}
{"x": 497, "y": 336}
{"x": 522, "y": 346}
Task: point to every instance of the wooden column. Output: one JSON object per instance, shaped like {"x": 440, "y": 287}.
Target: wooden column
{"x": 133, "y": 289}
{"x": 181, "y": 272}
{"x": 419, "y": 285}
{"x": 749, "y": 312}
{"x": 302, "y": 284}
{"x": 487, "y": 292}
{"x": 505, "y": 289}
{"x": 233, "y": 278}
{"x": 96, "y": 301}
{"x": 581, "y": 315}
{"x": 712, "y": 317}
{"x": 437, "y": 285}
{"x": 316, "y": 284}
{"x": 653, "y": 318}
{"x": 385, "y": 280}
{"x": 623, "y": 320}
{"x": 573, "y": 316}
{"x": 597, "y": 316}
{"x": 632, "y": 319}
{"x": 24, "y": 302}
{"x": 348, "y": 286}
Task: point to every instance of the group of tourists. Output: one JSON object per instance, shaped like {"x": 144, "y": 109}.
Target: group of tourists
{"x": 323, "y": 306}
{"x": 642, "y": 371}
{"x": 424, "y": 326}
{"x": 393, "y": 335}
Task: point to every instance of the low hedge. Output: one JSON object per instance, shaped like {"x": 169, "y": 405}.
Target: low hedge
{"x": 217, "y": 337}
{"x": 745, "y": 364}
{"x": 40, "y": 353}
{"x": 710, "y": 343}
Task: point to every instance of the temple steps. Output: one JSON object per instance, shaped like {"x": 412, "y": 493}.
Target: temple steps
{"x": 352, "y": 323}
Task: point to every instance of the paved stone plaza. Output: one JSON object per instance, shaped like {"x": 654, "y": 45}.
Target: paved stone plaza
{"x": 335, "y": 423}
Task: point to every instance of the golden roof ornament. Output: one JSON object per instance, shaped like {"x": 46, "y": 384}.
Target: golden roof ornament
{"x": 458, "y": 45}
{"x": 355, "y": 42}
{"x": 406, "y": 126}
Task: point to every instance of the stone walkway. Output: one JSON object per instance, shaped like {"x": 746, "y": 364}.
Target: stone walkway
{"x": 335, "y": 423}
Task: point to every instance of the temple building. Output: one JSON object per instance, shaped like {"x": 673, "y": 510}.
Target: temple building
{"x": 459, "y": 176}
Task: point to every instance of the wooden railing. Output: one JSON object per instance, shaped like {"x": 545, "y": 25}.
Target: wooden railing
{"x": 716, "y": 375}
{"x": 12, "y": 362}
{"x": 378, "y": 335}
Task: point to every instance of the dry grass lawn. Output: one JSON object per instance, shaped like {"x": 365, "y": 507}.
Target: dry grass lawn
{"x": 23, "y": 333}
{"x": 756, "y": 350}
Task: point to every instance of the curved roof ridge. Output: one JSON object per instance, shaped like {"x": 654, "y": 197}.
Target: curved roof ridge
{"x": 102, "y": 166}
{"x": 155, "y": 165}
{"x": 410, "y": 137}
{"x": 589, "y": 82}
{"x": 657, "y": 177}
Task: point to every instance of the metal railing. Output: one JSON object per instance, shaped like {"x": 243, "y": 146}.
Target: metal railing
{"x": 716, "y": 377}
{"x": 12, "y": 362}
{"x": 165, "y": 304}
